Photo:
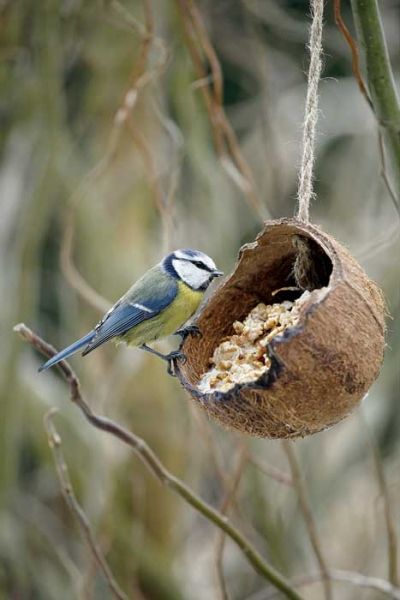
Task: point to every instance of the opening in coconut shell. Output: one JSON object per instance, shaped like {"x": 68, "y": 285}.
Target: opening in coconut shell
{"x": 321, "y": 367}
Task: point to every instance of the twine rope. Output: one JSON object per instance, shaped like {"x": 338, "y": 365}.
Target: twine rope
{"x": 305, "y": 190}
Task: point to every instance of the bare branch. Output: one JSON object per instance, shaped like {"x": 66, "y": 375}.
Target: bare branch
{"x": 153, "y": 463}
{"x": 206, "y": 433}
{"x": 225, "y": 507}
{"x": 355, "y": 57}
{"x": 383, "y": 99}
{"x": 355, "y": 65}
{"x": 225, "y": 141}
{"x": 305, "y": 506}
{"x": 383, "y": 488}
{"x": 270, "y": 470}
{"x": 141, "y": 75}
{"x": 159, "y": 200}
{"x": 351, "y": 577}
{"x": 71, "y": 273}
{"x": 384, "y": 174}
{"x": 360, "y": 580}
{"x": 54, "y": 440}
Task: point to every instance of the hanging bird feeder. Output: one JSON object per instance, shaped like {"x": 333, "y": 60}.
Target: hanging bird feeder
{"x": 310, "y": 370}
{"x": 294, "y": 338}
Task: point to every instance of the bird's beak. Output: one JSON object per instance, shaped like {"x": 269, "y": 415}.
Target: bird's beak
{"x": 217, "y": 273}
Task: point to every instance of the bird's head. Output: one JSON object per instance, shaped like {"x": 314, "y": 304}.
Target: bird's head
{"x": 193, "y": 267}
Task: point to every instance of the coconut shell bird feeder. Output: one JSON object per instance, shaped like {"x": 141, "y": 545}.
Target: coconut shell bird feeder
{"x": 320, "y": 366}
{"x": 294, "y": 337}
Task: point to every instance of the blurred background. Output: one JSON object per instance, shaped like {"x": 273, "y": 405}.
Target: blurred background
{"x": 111, "y": 154}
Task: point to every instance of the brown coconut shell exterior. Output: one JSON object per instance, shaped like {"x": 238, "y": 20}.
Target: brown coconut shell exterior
{"x": 322, "y": 367}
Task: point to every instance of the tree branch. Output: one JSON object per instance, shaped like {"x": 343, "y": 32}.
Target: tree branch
{"x": 225, "y": 507}
{"x": 388, "y": 512}
{"x": 351, "y": 577}
{"x": 54, "y": 440}
{"x": 153, "y": 463}
{"x": 225, "y": 140}
{"x": 298, "y": 483}
{"x": 380, "y": 76}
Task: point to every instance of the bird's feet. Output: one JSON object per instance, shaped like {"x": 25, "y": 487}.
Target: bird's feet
{"x": 189, "y": 330}
{"x": 172, "y": 358}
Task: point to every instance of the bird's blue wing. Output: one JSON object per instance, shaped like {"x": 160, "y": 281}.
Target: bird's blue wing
{"x": 145, "y": 300}
{"x": 119, "y": 321}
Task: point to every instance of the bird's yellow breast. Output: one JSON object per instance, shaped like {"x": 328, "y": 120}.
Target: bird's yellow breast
{"x": 184, "y": 305}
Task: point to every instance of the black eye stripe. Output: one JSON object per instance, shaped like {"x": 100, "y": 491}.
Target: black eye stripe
{"x": 199, "y": 264}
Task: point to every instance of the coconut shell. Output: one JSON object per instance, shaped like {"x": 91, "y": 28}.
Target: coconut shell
{"x": 322, "y": 367}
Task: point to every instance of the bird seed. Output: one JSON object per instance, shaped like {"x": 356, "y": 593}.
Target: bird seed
{"x": 243, "y": 356}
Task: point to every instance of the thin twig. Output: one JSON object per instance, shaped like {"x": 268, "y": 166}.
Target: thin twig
{"x": 153, "y": 463}
{"x": 384, "y": 174}
{"x": 71, "y": 273}
{"x": 141, "y": 75}
{"x": 225, "y": 508}
{"x": 355, "y": 57}
{"x": 139, "y": 78}
{"x": 175, "y": 135}
{"x": 305, "y": 191}
{"x": 270, "y": 470}
{"x": 298, "y": 483}
{"x": 203, "y": 426}
{"x": 360, "y": 580}
{"x": 379, "y": 243}
{"x": 159, "y": 200}
{"x": 225, "y": 140}
{"x": 351, "y": 577}
{"x": 383, "y": 488}
{"x": 380, "y": 76}
{"x": 216, "y": 71}
{"x": 355, "y": 64}
{"x": 54, "y": 440}
{"x": 212, "y": 448}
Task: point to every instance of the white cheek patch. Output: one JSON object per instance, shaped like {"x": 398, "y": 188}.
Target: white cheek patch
{"x": 190, "y": 274}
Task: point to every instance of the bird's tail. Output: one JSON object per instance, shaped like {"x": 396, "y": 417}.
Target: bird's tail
{"x": 69, "y": 350}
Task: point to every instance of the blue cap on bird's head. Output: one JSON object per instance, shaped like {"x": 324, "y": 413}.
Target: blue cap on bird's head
{"x": 193, "y": 267}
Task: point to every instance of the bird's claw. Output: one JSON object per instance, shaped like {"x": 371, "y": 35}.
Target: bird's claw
{"x": 189, "y": 330}
{"x": 172, "y": 358}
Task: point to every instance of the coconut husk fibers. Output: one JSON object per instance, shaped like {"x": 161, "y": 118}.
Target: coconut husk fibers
{"x": 322, "y": 367}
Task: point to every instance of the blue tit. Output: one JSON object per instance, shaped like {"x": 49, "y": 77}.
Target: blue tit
{"x": 156, "y": 306}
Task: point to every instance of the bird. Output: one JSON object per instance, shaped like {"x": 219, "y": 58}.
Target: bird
{"x": 157, "y": 305}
